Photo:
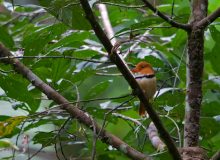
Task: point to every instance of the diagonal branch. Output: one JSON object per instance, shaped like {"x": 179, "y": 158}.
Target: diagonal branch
{"x": 81, "y": 116}
{"x": 106, "y": 22}
{"x": 115, "y": 58}
{"x": 173, "y": 23}
{"x": 209, "y": 19}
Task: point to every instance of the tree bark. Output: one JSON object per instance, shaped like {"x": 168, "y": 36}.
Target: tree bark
{"x": 195, "y": 72}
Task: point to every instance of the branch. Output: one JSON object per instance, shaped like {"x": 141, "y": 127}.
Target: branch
{"x": 54, "y": 57}
{"x": 195, "y": 67}
{"x": 115, "y": 58}
{"x": 209, "y": 19}
{"x": 134, "y": 45}
{"x": 121, "y": 5}
{"x": 154, "y": 137}
{"x": 173, "y": 23}
{"x": 106, "y": 22}
{"x": 81, "y": 116}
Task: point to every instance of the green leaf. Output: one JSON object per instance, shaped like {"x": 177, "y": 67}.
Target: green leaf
{"x": 150, "y": 21}
{"x": 179, "y": 39}
{"x": 210, "y": 109}
{"x": 45, "y": 3}
{"x": 7, "y": 144}
{"x": 97, "y": 89}
{"x": 59, "y": 69}
{"x": 14, "y": 85}
{"x": 45, "y": 138}
{"x": 215, "y": 33}
{"x": 79, "y": 20}
{"x": 75, "y": 39}
{"x": 42, "y": 122}
{"x": 209, "y": 127}
{"x": 35, "y": 43}
{"x": 214, "y": 58}
{"x": 6, "y": 38}
{"x": 82, "y": 75}
{"x": 85, "y": 54}
{"x": 69, "y": 12}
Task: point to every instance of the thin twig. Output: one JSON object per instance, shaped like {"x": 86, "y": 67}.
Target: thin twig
{"x": 164, "y": 82}
{"x": 177, "y": 128}
{"x": 112, "y": 110}
{"x": 173, "y": 23}
{"x": 178, "y": 68}
{"x": 33, "y": 155}
{"x": 172, "y": 10}
{"x": 212, "y": 79}
{"x": 141, "y": 29}
{"x": 50, "y": 110}
{"x": 16, "y": 142}
{"x": 78, "y": 96}
{"x": 95, "y": 137}
{"x": 135, "y": 121}
{"x": 108, "y": 74}
{"x": 122, "y": 5}
{"x": 54, "y": 57}
{"x": 59, "y": 132}
{"x": 56, "y": 151}
{"x": 135, "y": 44}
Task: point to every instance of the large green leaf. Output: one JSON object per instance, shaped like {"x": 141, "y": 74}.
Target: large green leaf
{"x": 214, "y": 55}
{"x": 59, "y": 69}
{"x": 82, "y": 75}
{"x": 35, "y": 42}
{"x": 19, "y": 89}
{"x": 79, "y": 20}
{"x": 45, "y": 138}
{"x": 75, "y": 40}
{"x": 214, "y": 58}
{"x": 97, "y": 89}
{"x": 6, "y": 38}
{"x": 209, "y": 127}
{"x": 67, "y": 11}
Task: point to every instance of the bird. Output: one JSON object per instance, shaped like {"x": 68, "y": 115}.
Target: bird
{"x": 145, "y": 76}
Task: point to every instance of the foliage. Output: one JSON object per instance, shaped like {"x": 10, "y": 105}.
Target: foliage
{"x": 68, "y": 56}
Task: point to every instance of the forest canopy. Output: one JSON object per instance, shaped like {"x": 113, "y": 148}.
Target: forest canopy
{"x": 67, "y": 90}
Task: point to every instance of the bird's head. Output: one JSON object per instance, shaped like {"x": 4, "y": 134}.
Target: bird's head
{"x": 143, "y": 68}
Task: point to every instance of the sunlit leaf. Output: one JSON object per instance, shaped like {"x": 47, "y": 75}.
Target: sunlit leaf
{"x": 7, "y": 126}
